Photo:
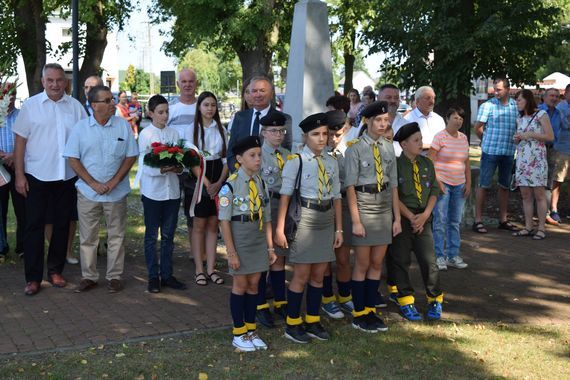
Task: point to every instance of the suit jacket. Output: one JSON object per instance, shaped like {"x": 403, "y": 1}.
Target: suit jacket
{"x": 241, "y": 127}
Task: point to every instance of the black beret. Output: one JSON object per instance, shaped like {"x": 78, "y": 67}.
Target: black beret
{"x": 313, "y": 121}
{"x": 246, "y": 143}
{"x": 406, "y": 131}
{"x": 273, "y": 118}
{"x": 375, "y": 108}
{"x": 335, "y": 119}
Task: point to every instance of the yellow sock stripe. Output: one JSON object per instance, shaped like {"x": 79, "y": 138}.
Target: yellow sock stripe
{"x": 312, "y": 318}
{"x": 360, "y": 313}
{"x": 406, "y": 300}
{"x": 392, "y": 289}
{"x": 251, "y": 326}
{"x": 264, "y": 306}
{"x": 294, "y": 321}
{"x": 438, "y": 298}
{"x": 278, "y": 304}
{"x": 328, "y": 299}
{"x": 378, "y": 166}
{"x": 239, "y": 330}
{"x": 342, "y": 299}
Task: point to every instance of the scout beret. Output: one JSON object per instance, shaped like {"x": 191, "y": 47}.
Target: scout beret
{"x": 246, "y": 143}
{"x": 375, "y": 108}
{"x": 274, "y": 119}
{"x": 335, "y": 119}
{"x": 406, "y": 131}
{"x": 313, "y": 121}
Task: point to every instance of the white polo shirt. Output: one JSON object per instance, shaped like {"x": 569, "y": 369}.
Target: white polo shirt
{"x": 46, "y": 125}
{"x": 429, "y": 125}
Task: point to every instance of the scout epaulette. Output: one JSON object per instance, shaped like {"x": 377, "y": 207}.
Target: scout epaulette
{"x": 352, "y": 142}
{"x": 232, "y": 177}
{"x": 292, "y": 156}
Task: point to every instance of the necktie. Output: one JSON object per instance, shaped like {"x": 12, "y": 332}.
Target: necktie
{"x": 378, "y": 166}
{"x": 279, "y": 157}
{"x": 417, "y": 183}
{"x": 255, "y": 130}
{"x": 323, "y": 178}
{"x": 255, "y": 202}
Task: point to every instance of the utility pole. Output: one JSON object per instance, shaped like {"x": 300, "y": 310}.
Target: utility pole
{"x": 75, "y": 46}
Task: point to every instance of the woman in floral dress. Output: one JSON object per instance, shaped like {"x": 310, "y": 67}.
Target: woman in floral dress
{"x": 533, "y": 131}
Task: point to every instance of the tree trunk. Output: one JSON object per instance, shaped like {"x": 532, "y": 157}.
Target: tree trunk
{"x": 254, "y": 62}
{"x": 95, "y": 44}
{"x": 348, "y": 70}
{"x": 31, "y": 32}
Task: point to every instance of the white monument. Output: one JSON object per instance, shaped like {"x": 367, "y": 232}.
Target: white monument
{"x": 309, "y": 73}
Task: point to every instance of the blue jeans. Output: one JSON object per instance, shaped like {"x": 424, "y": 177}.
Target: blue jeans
{"x": 161, "y": 215}
{"x": 447, "y": 215}
{"x": 489, "y": 164}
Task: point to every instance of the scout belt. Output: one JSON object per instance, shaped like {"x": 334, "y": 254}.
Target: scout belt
{"x": 314, "y": 204}
{"x": 371, "y": 189}
{"x": 245, "y": 218}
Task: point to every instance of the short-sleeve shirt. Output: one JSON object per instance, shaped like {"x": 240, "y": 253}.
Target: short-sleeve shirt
{"x": 213, "y": 141}
{"x": 270, "y": 171}
{"x": 6, "y": 134}
{"x": 360, "y": 166}
{"x": 233, "y": 197}
{"x": 562, "y": 144}
{"x": 429, "y": 125}
{"x": 500, "y": 126}
{"x": 452, "y": 152}
{"x": 310, "y": 175}
{"x": 46, "y": 125}
{"x": 181, "y": 116}
{"x": 406, "y": 186}
{"x": 340, "y": 160}
{"x": 101, "y": 149}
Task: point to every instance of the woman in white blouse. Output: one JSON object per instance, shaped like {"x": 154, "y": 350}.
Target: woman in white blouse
{"x": 209, "y": 135}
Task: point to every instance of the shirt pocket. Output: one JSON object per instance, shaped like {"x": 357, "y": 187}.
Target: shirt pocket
{"x": 119, "y": 148}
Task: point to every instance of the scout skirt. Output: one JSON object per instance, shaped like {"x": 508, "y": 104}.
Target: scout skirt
{"x": 376, "y": 216}
{"x": 274, "y": 212}
{"x": 315, "y": 237}
{"x": 251, "y": 247}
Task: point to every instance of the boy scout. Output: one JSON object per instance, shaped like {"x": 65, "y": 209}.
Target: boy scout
{"x": 418, "y": 191}
{"x": 273, "y": 157}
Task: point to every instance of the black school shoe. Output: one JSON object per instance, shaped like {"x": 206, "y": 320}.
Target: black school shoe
{"x": 376, "y": 322}
{"x": 317, "y": 331}
{"x": 265, "y": 318}
{"x": 297, "y": 334}
{"x": 173, "y": 283}
{"x": 154, "y": 285}
{"x": 363, "y": 323}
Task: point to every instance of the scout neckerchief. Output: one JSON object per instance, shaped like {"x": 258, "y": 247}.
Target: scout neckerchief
{"x": 323, "y": 178}
{"x": 417, "y": 183}
{"x": 279, "y": 157}
{"x": 378, "y": 166}
{"x": 255, "y": 202}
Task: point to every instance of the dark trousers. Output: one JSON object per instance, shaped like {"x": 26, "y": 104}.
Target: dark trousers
{"x": 18, "y": 202}
{"x": 401, "y": 258}
{"x": 41, "y": 195}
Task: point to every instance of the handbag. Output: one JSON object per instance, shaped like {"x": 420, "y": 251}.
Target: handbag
{"x": 5, "y": 176}
{"x": 293, "y": 216}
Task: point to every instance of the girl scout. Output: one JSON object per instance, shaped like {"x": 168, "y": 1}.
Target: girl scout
{"x": 418, "y": 191}
{"x": 273, "y": 157}
{"x": 319, "y": 230}
{"x": 372, "y": 192}
{"x": 245, "y": 219}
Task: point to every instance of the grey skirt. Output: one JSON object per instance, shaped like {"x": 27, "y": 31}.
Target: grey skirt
{"x": 274, "y": 213}
{"x": 315, "y": 238}
{"x": 251, "y": 247}
{"x": 346, "y": 224}
{"x": 376, "y": 216}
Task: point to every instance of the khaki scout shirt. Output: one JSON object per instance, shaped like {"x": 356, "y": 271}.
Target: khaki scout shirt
{"x": 270, "y": 171}
{"x": 406, "y": 187}
{"x": 234, "y": 197}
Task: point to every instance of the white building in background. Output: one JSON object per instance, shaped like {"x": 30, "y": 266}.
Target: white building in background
{"x": 58, "y": 31}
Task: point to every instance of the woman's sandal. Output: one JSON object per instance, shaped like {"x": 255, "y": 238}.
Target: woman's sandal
{"x": 215, "y": 278}
{"x": 523, "y": 232}
{"x": 539, "y": 235}
{"x": 479, "y": 228}
{"x": 201, "y": 279}
{"x": 506, "y": 225}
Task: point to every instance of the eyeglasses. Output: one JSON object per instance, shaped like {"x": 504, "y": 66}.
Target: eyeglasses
{"x": 106, "y": 101}
{"x": 277, "y": 131}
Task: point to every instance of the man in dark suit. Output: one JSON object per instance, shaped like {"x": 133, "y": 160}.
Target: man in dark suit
{"x": 246, "y": 123}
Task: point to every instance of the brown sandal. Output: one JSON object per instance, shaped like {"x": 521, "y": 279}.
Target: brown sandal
{"x": 215, "y": 278}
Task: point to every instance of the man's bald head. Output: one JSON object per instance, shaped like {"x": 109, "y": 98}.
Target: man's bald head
{"x": 187, "y": 83}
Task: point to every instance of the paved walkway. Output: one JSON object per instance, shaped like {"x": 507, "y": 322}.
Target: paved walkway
{"x": 508, "y": 279}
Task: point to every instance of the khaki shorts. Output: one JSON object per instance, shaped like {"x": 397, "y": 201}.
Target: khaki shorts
{"x": 561, "y": 167}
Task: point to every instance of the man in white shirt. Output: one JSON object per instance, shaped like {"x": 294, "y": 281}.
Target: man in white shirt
{"x": 101, "y": 150}
{"x": 182, "y": 112}
{"x": 43, "y": 176}
{"x": 430, "y": 123}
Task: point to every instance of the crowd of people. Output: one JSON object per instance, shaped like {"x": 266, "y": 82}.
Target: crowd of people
{"x": 365, "y": 179}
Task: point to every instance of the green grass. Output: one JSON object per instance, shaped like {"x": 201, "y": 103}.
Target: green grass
{"x": 441, "y": 350}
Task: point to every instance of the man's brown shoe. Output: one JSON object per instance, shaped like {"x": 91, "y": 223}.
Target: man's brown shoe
{"x": 32, "y": 288}
{"x": 551, "y": 221}
{"x": 85, "y": 285}
{"x": 114, "y": 286}
{"x": 57, "y": 280}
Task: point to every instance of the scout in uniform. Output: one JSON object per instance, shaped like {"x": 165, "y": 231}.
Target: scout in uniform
{"x": 372, "y": 190}
{"x": 319, "y": 230}
{"x": 418, "y": 191}
{"x": 273, "y": 157}
{"x": 338, "y": 125}
{"x": 245, "y": 221}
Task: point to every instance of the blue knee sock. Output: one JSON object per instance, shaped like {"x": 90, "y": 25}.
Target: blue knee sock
{"x": 343, "y": 288}
{"x": 313, "y": 301}
{"x": 278, "y": 282}
{"x": 250, "y": 308}
{"x": 261, "y": 291}
{"x": 371, "y": 287}
{"x": 237, "y": 308}
{"x": 327, "y": 286}
{"x": 293, "y": 304}
{"x": 358, "y": 295}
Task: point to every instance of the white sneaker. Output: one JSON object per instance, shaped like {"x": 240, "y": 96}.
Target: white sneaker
{"x": 441, "y": 263}
{"x": 457, "y": 262}
{"x": 243, "y": 343}
{"x": 72, "y": 260}
{"x": 256, "y": 341}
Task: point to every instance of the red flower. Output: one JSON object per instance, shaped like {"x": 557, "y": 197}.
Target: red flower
{"x": 192, "y": 153}
{"x": 156, "y": 150}
{"x": 155, "y": 144}
{"x": 172, "y": 150}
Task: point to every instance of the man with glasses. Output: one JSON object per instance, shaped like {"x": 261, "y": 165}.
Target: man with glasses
{"x": 102, "y": 150}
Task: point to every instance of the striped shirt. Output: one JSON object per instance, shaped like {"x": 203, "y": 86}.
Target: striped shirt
{"x": 452, "y": 152}
{"x": 6, "y": 134}
{"x": 500, "y": 126}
